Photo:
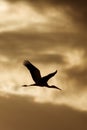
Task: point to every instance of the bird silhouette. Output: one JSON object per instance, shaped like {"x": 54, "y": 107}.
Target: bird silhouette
{"x": 35, "y": 73}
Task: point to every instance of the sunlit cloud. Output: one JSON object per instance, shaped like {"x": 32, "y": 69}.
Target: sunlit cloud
{"x": 74, "y": 57}
{"x": 18, "y": 16}
{"x": 4, "y": 58}
{"x": 21, "y": 15}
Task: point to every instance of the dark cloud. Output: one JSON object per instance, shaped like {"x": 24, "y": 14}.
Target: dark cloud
{"x": 40, "y": 41}
{"x": 50, "y": 58}
{"x": 55, "y": 2}
{"x": 37, "y": 46}
{"x": 22, "y": 113}
{"x": 79, "y": 75}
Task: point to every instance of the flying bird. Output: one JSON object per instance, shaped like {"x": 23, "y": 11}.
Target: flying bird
{"x": 36, "y": 76}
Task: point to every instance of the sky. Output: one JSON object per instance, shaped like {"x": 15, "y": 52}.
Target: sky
{"x": 52, "y": 35}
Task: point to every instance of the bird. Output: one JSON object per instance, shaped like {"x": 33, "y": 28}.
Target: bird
{"x": 36, "y": 76}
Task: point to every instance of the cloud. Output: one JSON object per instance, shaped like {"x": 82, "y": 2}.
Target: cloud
{"x": 17, "y": 112}
{"x": 50, "y": 58}
{"x": 52, "y": 16}
{"x": 28, "y": 45}
{"x": 79, "y": 75}
{"x": 33, "y": 45}
{"x": 75, "y": 9}
{"x": 19, "y": 16}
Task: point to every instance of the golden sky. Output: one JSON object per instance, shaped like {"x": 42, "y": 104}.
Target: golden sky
{"x": 52, "y": 35}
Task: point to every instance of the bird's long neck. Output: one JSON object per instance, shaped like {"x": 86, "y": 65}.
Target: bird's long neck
{"x": 29, "y": 85}
{"x": 32, "y": 85}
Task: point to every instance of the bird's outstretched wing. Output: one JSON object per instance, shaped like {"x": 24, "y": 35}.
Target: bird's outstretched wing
{"x": 35, "y": 72}
{"x": 47, "y": 77}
